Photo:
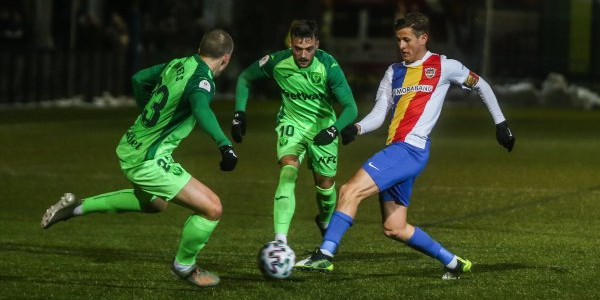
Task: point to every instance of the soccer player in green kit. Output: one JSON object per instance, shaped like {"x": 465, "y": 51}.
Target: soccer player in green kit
{"x": 309, "y": 79}
{"x": 173, "y": 97}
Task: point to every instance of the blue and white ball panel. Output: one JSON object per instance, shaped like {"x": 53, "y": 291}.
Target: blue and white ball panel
{"x": 395, "y": 168}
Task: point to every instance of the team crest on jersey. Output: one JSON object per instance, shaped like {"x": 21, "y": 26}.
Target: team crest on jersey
{"x": 263, "y": 60}
{"x": 430, "y": 72}
{"x": 283, "y": 141}
{"x": 205, "y": 85}
{"x": 315, "y": 77}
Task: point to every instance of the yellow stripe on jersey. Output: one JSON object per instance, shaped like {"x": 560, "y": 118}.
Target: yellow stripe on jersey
{"x": 412, "y": 77}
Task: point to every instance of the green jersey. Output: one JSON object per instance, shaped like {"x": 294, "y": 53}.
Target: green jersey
{"x": 307, "y": 94}
{"x": 173, "y": 97}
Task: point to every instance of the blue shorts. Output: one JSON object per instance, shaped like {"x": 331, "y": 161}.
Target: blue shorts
{"x": 394, "y": 170}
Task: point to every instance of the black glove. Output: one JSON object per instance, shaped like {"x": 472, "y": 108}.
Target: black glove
{"x": 229, "y": 159}
{"x": 325, "y": 136}
{"x": 238, "y": 126}
{"x": 349, "y": 134}
{"x": 505, "y": 136}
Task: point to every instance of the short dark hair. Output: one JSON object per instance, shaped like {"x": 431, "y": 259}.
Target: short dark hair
{"x": 215, "y": 44}
{"x": 304, "y": 29}
{"x": 418, "y": 22}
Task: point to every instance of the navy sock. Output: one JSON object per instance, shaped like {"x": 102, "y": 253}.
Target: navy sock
{"x": 422, "y": 242}
{"x": 339, "y": 223}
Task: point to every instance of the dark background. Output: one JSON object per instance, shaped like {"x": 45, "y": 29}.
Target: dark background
{"x": 56, "y": 49}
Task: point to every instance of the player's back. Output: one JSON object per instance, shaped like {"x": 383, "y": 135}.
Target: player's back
{"x": 166, "y": 119}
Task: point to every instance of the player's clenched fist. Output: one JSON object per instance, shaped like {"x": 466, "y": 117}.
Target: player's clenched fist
{"x": 325, "y": 136}
{"x": 229, "y": 158}
{"x": 349, "y": 134}
{"x": 238, "y": 126}
{"x": 505, "y": 136}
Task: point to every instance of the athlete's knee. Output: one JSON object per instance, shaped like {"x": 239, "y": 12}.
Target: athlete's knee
{"x": 288, "y": 173}
{"x": 349, "y": 193}
{"x": 214, "y": 209}
{"x": 156, "y": 206}
{"x": 398, "y": 232}
{"x": 324, "y": 182}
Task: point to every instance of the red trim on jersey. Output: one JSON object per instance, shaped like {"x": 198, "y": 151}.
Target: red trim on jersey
{"x": 419, "y": 101}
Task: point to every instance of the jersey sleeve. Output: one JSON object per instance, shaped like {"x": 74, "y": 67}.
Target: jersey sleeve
{"x": 260, "y": 69}
{"x": 456, "y": 72}
{"x": 383, "y": 101}
{"x": 144, "y": 81}
{"x": 338, "y": 84}
{"x": 468, "y": 79}
{"x": 200, "y": 98}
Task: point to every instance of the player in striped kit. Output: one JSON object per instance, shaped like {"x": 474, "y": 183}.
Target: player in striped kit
{"x": 414, "y": 91}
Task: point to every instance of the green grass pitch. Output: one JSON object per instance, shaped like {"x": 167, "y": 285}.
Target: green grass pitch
{"x": 529, "y": 220}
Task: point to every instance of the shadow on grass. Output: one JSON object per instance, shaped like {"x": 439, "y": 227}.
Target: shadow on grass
{"x": 499, "y": 210}
{"x": 501, "y": 267}
{"x": 366, "y": 257}
{"x": 141, "y": 284}
{"x": 95, "y": 254}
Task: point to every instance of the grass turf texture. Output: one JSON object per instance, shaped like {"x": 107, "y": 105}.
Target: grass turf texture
{"x": 528, "y": 220}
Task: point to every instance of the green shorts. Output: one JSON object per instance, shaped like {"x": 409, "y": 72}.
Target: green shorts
{"x": 294, "y": 140}
{"x": 161, "y": 176}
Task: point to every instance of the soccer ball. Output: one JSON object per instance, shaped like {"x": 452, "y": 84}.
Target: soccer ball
{"x": 276, "y": 260}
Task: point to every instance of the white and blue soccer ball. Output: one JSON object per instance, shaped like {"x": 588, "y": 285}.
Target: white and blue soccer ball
{"x": 276, "y": 260}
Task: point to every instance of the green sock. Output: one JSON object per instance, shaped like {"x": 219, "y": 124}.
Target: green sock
{"x": 194, "y": 236}
{"x": 119, "y": 201}
{"x": 326, "y": 199}
{"x": 285, "y": 200}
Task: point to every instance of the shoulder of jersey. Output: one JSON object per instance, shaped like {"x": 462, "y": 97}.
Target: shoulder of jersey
{"x": 206, "y": 85}
{"x": 326, "y": 58}
{"x": 275, "y": 56}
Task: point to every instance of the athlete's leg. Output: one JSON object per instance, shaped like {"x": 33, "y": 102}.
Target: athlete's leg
{"x": 326, "y": 199}
{"x": 128, "y": 200}
{"x": 198, "y": 228}
{"x": 359, "y": 187}
{"x": 285, "y": 199}
{"x": 323, "y": 162}
{"x": 396, "y": 227}
{"x": 123, "y": 201}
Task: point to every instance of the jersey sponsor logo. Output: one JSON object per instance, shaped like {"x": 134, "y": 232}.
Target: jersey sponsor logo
{"x": 471, "y": 80}
{"x": 430, "y": 72}
{"x": 426, "y": 88}
{"x": 263, "y": 60}
{"x": 205, "y": 85}
{"x": 132, "y": 140}
{"x": 327, "y": 159}
{"x": 302, "y": 96}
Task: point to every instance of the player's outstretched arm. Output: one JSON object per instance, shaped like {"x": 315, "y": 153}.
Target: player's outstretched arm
{"x": 504, "y": 135}
{"x": 242, "y": 90}
{"x": 208, "y": 122}
{"x": 376, "y": 117}
{"x": 143, "y": 82}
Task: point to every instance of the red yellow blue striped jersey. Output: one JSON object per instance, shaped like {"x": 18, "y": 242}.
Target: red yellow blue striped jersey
{"x": 415, "y": 94}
